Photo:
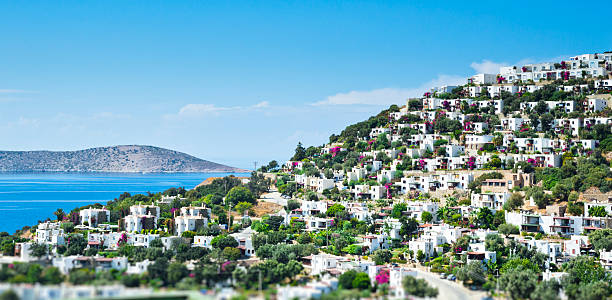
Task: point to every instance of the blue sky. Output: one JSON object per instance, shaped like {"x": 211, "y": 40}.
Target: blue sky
{"x": 237, "y": 82}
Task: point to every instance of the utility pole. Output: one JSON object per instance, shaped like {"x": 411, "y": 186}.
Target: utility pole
{"x": 255, "y": 163}
{"x": 260, "y": 288}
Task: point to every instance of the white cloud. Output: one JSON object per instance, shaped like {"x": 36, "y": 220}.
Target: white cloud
{"x": 388, "y": 96}
{"x": 262, "y": 104}
{"x": 12, "y": 91}
{"x": 198, "y": 109}
{"x": 487, "y": 66}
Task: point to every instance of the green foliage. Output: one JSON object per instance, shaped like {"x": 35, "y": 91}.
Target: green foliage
{"x": 494, "y": 242}
{"x": 223, "y": 241}
{"x": 176, "y": 272}
{"x": 300, "y": 153}
{"x": 516, "y": 263}
{"x": 9, "y": 295}
{"x": 418, "y": 288}
{"x": 283, "y": 253}
{"x": 76, "y": 244}
{"x": 515, "y": 201}
{"x": 426, "y": 217}
{"x": 547, "y": 290}
{"x": 159, "y": 269}
{"x": 335, "y": 209}
{"x": 484, "y": 217}
{"x": 598, "y": 211}
{"x": 361, "y": 281}
{"x": 81, "y": 276}
{"x": 519, "y": 283}
{"x": 398, "y": 209}
{"x": 242, "y": 207}
{"x": 601, "y": 239}
{"x": 508, "y": 229}
{"x": 477, "y": 183}
{"x": 240, "y": 194}
{"x": 382, "y": 256}
{"x": 474, "y": 272}
{"x": 584, "y": 272}
{"x": 345, "y": 280}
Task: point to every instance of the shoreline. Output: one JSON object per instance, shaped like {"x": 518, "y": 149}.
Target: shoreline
{"x": 241, "y": 171}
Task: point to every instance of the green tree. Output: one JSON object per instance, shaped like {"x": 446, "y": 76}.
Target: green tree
{"x": 426, "y": 217}
{"x": 473, "y": 271}
{"x": 398, "y": 209}
{"x": 519, "y": 282}
{"x": 345, "y": 280}
{"x": 59, "y": 213}
{"x": 81, "y": 276}
{"x": 582, "y": 271}
{"x": 515, "y": 201}
{"x": 9, "y": 295}
{"x": 223, "y": 241}
{"x": 601, "y": 239}
{"x": 240, "y": 194}
{"x": 420, "y": 255}
{"x": 508, "y": 229}
{"x": 546, "y": 290}
{"x": 361, "y": 281}
{"x": 52, "y": 275}
{"x": 494, "y": 242}
{"x": 176, "y": 272}
{"x": 34, "y": 273}
{"x": 598, "y": 211}
{"x": 561, "y": 191}
{"x": 409, "y": 226}
{"x": 484, "y": 217}
{"x": 300, "y": 153}
{"x": 418, "y": 288}
{"x": 382, "y": 256}
{"x": 231, "y": 253}
{"x": 546, "y": 121}
{"x": 159, "y": 269}
{"x": 595, "y": 291}
{"x": 335, "y": 209}
{"x": 519, "y": 263}
{"x": 242, "y": 207}
{"x": 39, "y": 250}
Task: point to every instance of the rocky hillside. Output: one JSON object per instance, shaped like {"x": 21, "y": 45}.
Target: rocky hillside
{"x": 130, "y": 158}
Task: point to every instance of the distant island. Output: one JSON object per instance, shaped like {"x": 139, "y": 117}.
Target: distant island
{"x": 124, "y": 158}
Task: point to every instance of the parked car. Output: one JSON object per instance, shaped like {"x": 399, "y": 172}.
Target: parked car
{"x": 451, "y": 277}
{"x": 443, "y": 276}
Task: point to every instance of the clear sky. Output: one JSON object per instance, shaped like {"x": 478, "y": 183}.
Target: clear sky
{"x": 237, "y": 82}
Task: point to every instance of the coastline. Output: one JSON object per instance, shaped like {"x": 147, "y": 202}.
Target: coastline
{"x": 36, "y": 195}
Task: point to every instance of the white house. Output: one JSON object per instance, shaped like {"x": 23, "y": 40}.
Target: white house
{"x": 50, "y": 233}
{"x": 94, "y": 216}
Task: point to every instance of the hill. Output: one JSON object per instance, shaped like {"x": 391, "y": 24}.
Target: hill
{"x": 125, "y": 158}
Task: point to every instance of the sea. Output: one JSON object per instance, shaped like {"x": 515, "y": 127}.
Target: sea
{"x": 26, "y": 198}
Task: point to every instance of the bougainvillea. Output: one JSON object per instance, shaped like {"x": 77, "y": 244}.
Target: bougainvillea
{"x": 383, "y": 276}
{"x": 122, "y": 240}
{"x": 471, "y": 163}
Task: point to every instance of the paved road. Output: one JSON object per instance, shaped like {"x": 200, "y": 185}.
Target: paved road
{"x": 274, "y": 197}
{"x": 449, "y": 289}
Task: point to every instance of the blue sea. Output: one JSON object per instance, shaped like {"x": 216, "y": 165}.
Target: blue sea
{"x": 26, "y": 198}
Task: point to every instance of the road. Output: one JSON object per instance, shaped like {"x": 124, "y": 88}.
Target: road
{"x": 274, "y": 197}
{"x": 449, "y": 289}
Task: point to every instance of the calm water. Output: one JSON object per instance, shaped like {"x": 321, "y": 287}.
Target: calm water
{"x": 26, "y": 198}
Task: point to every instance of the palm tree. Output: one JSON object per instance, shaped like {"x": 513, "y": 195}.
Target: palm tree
{"x": 59, "y": 213}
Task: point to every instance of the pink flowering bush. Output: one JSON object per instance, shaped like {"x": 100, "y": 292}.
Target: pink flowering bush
{"x": 531, "y": 161}
{"x": 471, "y": 163}
{"x": 383, "y": 276}
{"x": 122, "y": 240}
